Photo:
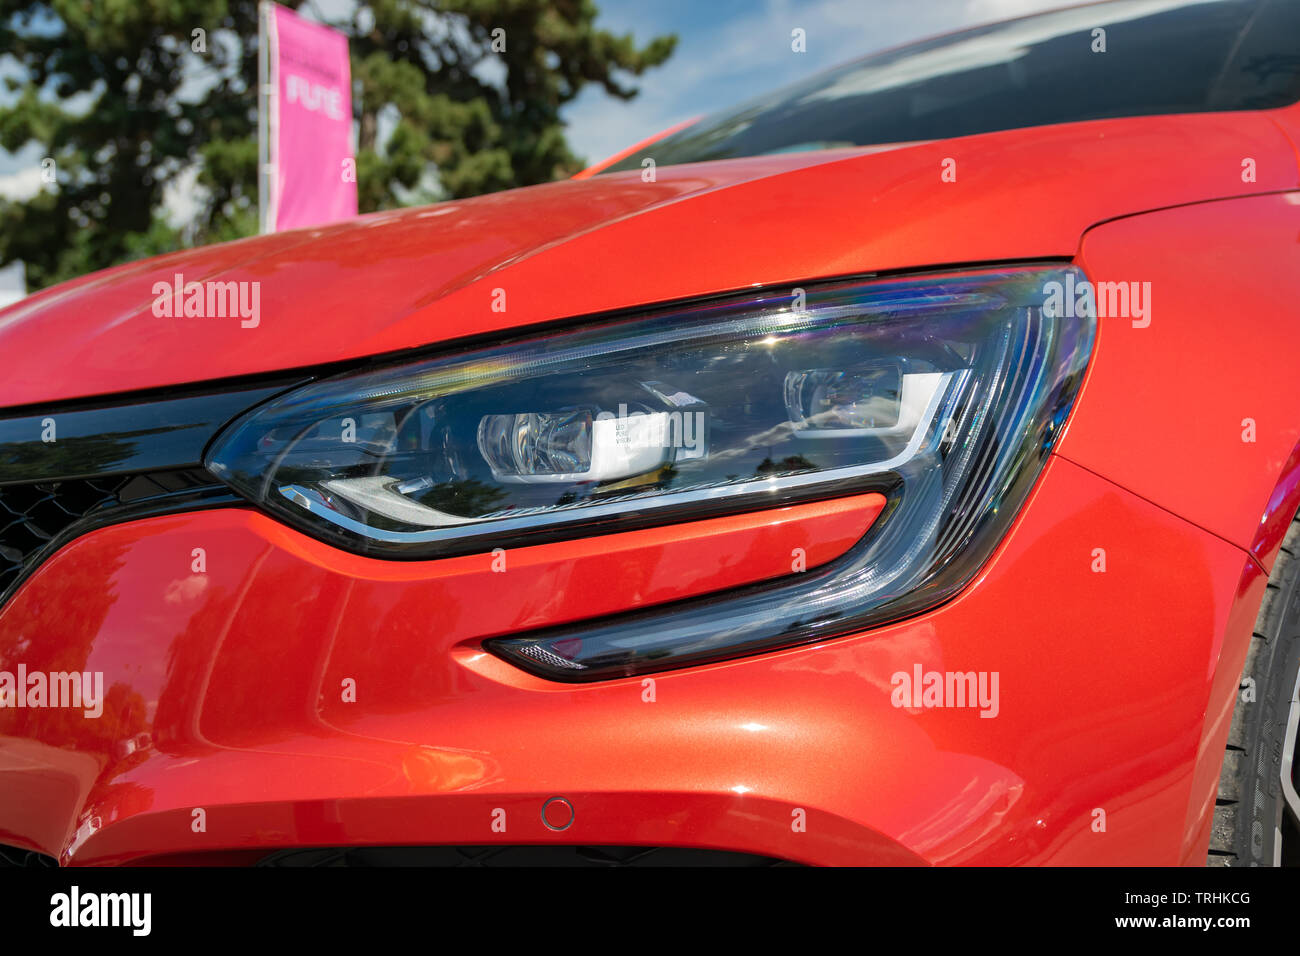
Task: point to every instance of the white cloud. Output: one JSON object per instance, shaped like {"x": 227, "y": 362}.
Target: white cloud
{"x": 13, "y": 284}
{"x": 182, "y": 196}
{"x": 22, "y": 185}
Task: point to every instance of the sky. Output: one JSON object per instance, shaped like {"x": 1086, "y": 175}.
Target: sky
{"x": 727, "y": 51}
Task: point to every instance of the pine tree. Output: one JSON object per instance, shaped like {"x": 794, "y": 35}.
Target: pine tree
{"x": 128, "y": 97}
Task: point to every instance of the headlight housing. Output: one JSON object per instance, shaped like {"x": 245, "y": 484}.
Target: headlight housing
{"x": 943, "y": 391}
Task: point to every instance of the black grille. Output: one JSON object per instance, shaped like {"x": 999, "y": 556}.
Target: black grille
{"x": 14, "y": 857}
{"x": 509, "y": 856}
{"x": 39, "y": 515}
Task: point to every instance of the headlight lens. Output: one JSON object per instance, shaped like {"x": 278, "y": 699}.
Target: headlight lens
{"x": 944, "y": 391}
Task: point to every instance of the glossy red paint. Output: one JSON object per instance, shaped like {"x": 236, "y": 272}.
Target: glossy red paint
{"x": 225, "y": 696}
{"x": 407, "y": 279}
{"x": 225, "y": 688}
{"x": 1219, "y": 353}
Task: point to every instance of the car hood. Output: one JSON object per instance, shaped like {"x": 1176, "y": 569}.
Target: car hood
{"x": 398, "y": 280}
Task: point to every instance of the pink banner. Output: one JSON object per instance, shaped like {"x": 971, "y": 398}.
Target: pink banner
{"x": 315, "y": 178}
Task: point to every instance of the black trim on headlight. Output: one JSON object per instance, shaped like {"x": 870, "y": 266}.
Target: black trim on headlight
{"x": 119, "y": 435}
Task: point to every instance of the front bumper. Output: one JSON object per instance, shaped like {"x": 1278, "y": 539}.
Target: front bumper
{"x": 227, "y": 724}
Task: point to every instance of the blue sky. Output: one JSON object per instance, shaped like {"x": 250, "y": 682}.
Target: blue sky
{"x": 727, "y": 51}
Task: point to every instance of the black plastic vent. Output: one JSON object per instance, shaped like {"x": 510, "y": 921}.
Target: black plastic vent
{"x": 36, "y": 515}
{"x": 11, "y": 856}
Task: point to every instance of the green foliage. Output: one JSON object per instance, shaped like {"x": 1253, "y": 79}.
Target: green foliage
{"x": 453, "y": 98}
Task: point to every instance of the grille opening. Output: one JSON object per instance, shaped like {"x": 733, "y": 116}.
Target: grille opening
{"x": 11, "y": 856}
{"x": 35, "y": 514}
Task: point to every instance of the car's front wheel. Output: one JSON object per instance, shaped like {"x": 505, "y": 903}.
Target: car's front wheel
{"x": 1257, "y": 814}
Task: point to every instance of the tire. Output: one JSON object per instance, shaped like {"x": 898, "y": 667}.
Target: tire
{"x": 1255, "y": 817}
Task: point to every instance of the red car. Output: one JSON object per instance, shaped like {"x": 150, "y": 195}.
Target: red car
{"x": 598, "y": 521}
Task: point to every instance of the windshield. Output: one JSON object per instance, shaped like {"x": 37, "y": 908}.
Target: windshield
{"x": 1125, "y": 58}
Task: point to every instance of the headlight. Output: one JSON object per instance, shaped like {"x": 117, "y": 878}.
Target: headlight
{"x": 942, "y": 391}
